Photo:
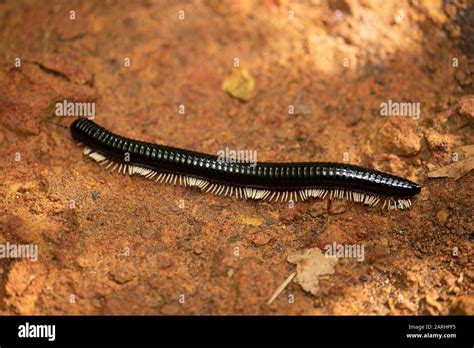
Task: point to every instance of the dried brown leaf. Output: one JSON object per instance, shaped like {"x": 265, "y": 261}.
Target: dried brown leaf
{"x": 454, "y": 170}
{"x": 240, "y": 84}
{"x": 310, "y": 265}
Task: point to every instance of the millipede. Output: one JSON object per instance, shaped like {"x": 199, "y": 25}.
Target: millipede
{"x": 260, "y": 181}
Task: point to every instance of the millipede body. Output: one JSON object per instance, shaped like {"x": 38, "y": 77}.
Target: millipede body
{"x": 264, "y": 180}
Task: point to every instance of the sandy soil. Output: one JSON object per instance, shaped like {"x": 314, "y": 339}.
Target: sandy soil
{"x": 111, "y": 244}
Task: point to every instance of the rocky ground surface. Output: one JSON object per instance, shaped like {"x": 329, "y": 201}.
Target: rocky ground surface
{"x": 111, "y": 244}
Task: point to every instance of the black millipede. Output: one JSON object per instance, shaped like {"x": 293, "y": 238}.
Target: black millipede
{"x": 263, "y": 180}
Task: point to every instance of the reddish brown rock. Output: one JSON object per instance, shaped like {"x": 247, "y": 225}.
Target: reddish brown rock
{"x": 400, "y": 136}
{"x": 464, "y": 305}
{"x": 133, "y": 249}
